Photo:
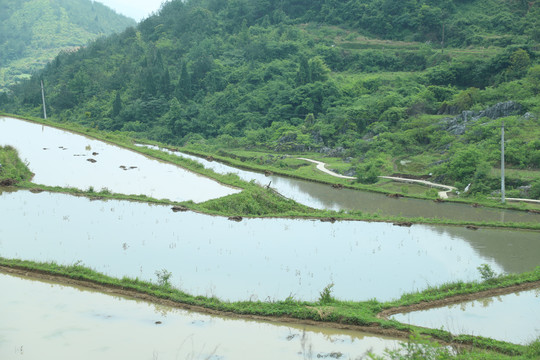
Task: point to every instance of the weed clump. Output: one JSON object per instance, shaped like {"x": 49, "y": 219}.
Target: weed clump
{"x": 486, "y": 272}
{"x": 325, "y": 296}
{"x": 164, "y": 277}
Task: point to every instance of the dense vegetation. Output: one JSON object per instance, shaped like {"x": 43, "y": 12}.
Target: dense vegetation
{"x": 373, "y": 81}
{"x": 33, "y": 32}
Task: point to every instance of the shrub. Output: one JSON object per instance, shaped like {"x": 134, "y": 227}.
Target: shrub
{"x": 164, "y": 277}
{"x": 486, "y": 272}
{"x": 325, "y": 296}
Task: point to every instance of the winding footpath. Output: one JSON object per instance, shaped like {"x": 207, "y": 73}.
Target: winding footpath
{"x": 442, "y": 194}
{"x": 322, "y": 167}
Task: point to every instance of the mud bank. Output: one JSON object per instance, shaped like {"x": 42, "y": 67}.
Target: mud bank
{"x": 385, "y": 314}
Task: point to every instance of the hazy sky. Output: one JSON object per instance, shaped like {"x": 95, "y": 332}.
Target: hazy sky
{"x": 136, "y": 9}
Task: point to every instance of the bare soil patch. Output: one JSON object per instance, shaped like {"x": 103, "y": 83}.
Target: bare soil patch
{"x": 8, "y": 182}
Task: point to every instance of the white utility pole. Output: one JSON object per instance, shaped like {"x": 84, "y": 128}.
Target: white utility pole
{"x": 43, "y": 98}
{"x": 502, "y": 163}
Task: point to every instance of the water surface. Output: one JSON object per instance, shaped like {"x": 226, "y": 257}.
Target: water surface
{"x": 322, "y": 196}
{"x": 72, "y": 323}
{"x": 266, "y": 259}
{"x": 514, "y": 317}
{"x": 60, "y": 158}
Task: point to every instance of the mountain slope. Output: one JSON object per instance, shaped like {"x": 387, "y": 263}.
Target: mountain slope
{"x": 283, "y": 76}
{"x": 33, "y": 32}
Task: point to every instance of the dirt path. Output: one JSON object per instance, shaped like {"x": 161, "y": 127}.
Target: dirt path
{"x": 442, "y": 194}
{"x": 532, "y": 201}
{"x": 322, "y": 167}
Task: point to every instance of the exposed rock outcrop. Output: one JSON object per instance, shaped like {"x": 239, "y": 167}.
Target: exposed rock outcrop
{"x": 458, "y": 124}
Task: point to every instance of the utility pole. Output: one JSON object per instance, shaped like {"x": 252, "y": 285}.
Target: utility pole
{"x": 502, "y": 163}
{"x": 43, "y": 98}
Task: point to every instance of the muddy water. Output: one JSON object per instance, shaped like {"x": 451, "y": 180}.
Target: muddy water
{"x": 323, "y": 196}
{"x": 72, "y": 323}
{"x": 61, "y": 158}
{"x": 514, "y": 317}
{"x": 261, "y": 259}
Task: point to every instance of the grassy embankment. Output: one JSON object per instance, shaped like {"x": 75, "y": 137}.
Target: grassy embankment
{"x": 253, "y": 201}
{"x": 359, "y": 315}
{"x": 12, "y": 169}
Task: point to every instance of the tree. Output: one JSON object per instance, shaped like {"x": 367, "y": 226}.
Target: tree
{"x": 183, "y": 89}
{"x": 303, "y": 76}
{"x": 535, "y": 189}
{"x": 318, "y": 70}
{"x": 466, "y": 166}
{"x": 519, "y": 62}
{"x": 117, "y": 105}
{"x": 369, "y": 172}
{"x": 534, "y": 78}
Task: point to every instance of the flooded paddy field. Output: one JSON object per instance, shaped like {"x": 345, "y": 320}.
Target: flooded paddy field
{"x": 62, "y": 158}
{"x": 258, "y": 259}
{"x": 513, "y": 317}
{"x": 323, "y": 196}
{"x": 69, "y": 322}
{"x": 255, "y": 259}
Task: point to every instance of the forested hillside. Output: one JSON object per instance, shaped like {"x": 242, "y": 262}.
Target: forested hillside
{"x": 378, "y": 81}
{"x": 33, "y": 32}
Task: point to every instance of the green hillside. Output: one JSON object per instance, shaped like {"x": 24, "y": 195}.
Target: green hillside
{"x": 379, "y": 84}
{"x": 33, "y": 32}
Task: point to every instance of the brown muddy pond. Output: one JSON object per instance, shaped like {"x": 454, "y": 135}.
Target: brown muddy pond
{"x": 514, "y": 318}
{"x": 65, "y": 322}
{"x": 322, "y": 196}
{"x": 62, "y": 158}
{"x": 264, "y": 259}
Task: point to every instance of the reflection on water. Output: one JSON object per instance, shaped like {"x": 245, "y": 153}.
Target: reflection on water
{"x": 262, "y": 259}
{"x": 65, "y": 322}
{"x": 61, "y": 158}
{"x": 323, "y": 196}
{"x": 514, "y": 317}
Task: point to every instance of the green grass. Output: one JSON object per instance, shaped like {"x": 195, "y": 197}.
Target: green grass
{"x": 402, "y": 188}
{"x": 527, "y": 175}
{"x": 326, "y": 309}
{"x": 12, "y": 169}
{"x": 254, "y": 201}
